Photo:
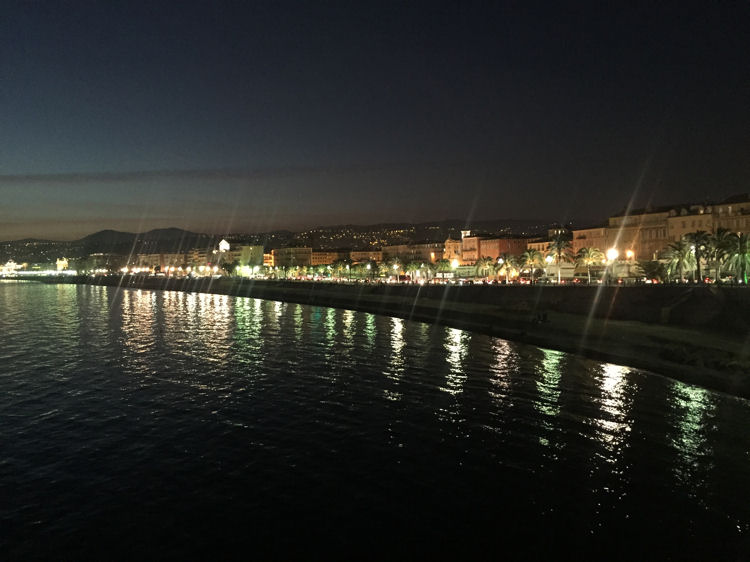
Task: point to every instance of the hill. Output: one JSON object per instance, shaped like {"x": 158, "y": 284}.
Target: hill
{"x": 165, "y": 240}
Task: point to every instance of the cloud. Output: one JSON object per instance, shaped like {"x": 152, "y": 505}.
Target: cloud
{"x": 245, "y": 200}
{"x": 215, "y": 174}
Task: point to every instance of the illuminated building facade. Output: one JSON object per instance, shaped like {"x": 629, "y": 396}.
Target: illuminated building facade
{"x": 495, "y": 247}
{"x": 366, "y": 255}
{"x": 642, "y": 232}
{"x": 292, "y": 257}
{"x": 250, "y": 255}
{"x": 470, "y": 250}
{"x": 592, "y": 237}
{"x": 427, "y": 252}
{"x": 325, "y": 258}
{"x": 452, "y": 250}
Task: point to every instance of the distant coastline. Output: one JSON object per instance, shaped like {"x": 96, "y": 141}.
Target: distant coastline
{"x": 693, "y": 334}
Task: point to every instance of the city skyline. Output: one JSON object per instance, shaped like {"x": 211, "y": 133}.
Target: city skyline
{"x": 228, "y": 117}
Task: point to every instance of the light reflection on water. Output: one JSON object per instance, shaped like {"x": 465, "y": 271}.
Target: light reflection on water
{"x": 329, "y": 327}
{"x": 370, "y": 330}
{"x": 138, "y": 322}
{"x": 456, "y": 352}
{"x": 610, "y": 428}
{"x": 397, "y": 360}
{"x": 693, "y": 410}
{"x": 547, "y": 403}
{"x": 271, "y": 398}
{"x": 615, "y": 403}
{"x": 548, "y": 383}
{"x": 348, "y": 321}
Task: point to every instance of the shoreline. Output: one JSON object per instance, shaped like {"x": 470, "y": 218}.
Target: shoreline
{"x": 694, "y": 335}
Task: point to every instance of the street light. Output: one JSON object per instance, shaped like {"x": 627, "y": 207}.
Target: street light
{"x": 549, "y": 259}
{"x": 612, "y": 255}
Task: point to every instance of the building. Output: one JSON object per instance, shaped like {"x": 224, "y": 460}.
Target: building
{"x": 470, "y": 250}
{"x": 452, "y": 250}
{"x": 591, "y": 237}
{"x": 395, "y": 251}
{"x": 163, "y": 261}
{"x": 427, "y": 252}
{"x": 496, "y": 247}
{"x": 102, "y": 262}
{"x": 250, "y": 255}
{"x": 538, "y": 244}
{"x": 367, "y": 255}
{"x": 292, "y": 257}
{"x": 197, "y": 257}
{"x": 475, "y": 247}
{"x": 9, "y": 268}
{"x": 326, "y": 257}
{"x": 733, "y": 214}
{"x": 641, "y": 233}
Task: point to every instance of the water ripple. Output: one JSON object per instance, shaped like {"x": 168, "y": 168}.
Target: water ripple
{"x": 138, "y": 422}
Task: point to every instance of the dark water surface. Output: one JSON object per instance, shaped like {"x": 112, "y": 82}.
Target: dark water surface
{"x": 139, "y": 424}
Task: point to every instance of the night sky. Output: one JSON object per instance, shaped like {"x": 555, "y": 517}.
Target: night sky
{"x": 249, "y": 116}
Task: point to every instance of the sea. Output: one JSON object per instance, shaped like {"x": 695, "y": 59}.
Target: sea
{"x": 183, "y": 426}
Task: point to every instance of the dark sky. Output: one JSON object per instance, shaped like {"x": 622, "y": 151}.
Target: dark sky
{"x": 246, "y": 116}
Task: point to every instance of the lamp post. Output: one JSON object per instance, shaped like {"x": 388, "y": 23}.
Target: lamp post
{"x": 629, "y": 255}
{"x": 612, "y": 255}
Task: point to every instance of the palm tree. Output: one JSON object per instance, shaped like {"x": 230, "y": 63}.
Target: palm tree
{"x": 652, "y": 270}
{"x": 699, "y": 241}
{"x": 560, "y": 249}
{"x": 357, "y": 269}
{"x": 680, "y": 258}
{"x": 444, "y": 266}
{"x": 506, "y": 265}
{"x": 384, "y": 269}
{"x": 395, "y": 267}
{"x": 370, "y": 268}
{"x": 588, "y": 257}
{"x": 429, "y": 269}
{"x": 230, "y": 268}
{"x": 718, "y": 247}
{"x": 530, "y": 259}
{"x": 484, "y": 265}
{"x": 738, "y": 260}
{"x": 411, "y": 268}
{"x": 339, "y": 267}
